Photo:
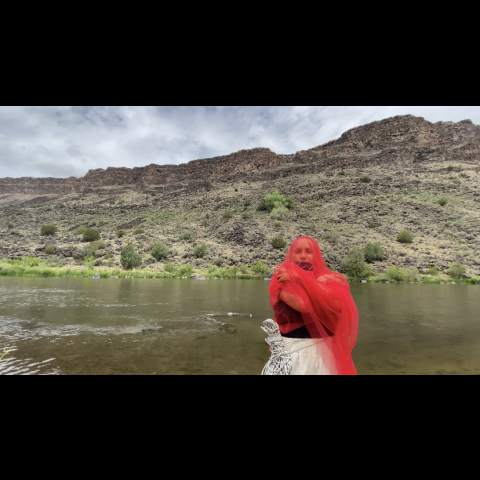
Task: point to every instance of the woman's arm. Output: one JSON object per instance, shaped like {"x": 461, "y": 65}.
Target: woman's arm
{"x": 291, "y": 301}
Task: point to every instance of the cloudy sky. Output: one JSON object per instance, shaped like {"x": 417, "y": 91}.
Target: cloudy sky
{"x": 66, "y": 141}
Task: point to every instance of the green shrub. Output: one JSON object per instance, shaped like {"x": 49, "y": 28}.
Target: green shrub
{"x": 246, "y": 215}
{"x": 260, "y": 268}
{"x": 19, "y": 213}
{"x": 278, "y": 212}
{"x": 372, "y": 225}
{"x": 247, "y": 202}
{"x": 275, "y": 200}
{"x": 285, "y": 175}
{"x": 49, "y": 249}
{"x": 442, "y": 201}
{"x": 90, "y": 235}
{"x": 262, "y": 207}
{"x": 89, "y": 262}
{"x": 233, "y": 270}
{"x": 278, "y": 224}
{"x": 31, "y": 261}
{"x": 451, "y": 168}
{"x": 412, "y": 274}
{"x": 342, "y": 173}
{"x": 99, "y": 245}
{"x": 61, "y": 205}
{"x": 138, "y": 231}
{"x": 366, "y": 179}
{"x": 243, "y": 269}
{"x": 9, "y": 226}
{"x": 93, "y": 247}
{"x": 227, "y": 214}
{"x": 160, "y": 251}
{"x": 121, "y": 233}
{"x": 80, "y": 230}
{"x": 433, "y": 271}
{"x": 397, "y": 274}
{"x": 373, "y": 252}
{"x": 200, "y": 251}
{"x": 278, "y": 242}
{"x": 220, "y": 272}
{"x": 48, "y": 230}
{"x": 187, "y": 270}
{"x": 405, "y": 237}
{"x": 333, "y": 236}
{"x": 187, "y": 236}
{"x": 48, "y": 273}
{"x": 354, "y": 264}
{"x": 129, "y": 258}
{"x": 456, "y": 270}
{"x": 170, "y": 268}
{"x": 218, "y": 261}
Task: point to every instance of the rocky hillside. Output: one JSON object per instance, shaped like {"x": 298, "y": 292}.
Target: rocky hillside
{"x": 411, "y": 163}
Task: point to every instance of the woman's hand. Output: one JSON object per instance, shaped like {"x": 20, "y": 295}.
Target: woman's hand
{"x": 283, "y": 275}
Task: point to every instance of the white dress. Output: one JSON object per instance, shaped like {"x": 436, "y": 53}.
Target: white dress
{"x": 293, "y": 356}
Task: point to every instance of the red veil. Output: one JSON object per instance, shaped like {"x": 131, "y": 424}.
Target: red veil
{"x": 327, "y": 308}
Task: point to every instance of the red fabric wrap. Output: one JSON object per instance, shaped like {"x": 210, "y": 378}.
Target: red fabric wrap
{"x": 324, "y": 303}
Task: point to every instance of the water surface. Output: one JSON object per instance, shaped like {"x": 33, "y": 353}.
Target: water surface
{"x": 173, "y": 326}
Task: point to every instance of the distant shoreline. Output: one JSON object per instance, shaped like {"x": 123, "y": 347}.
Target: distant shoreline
{"x": 7, "y": 270}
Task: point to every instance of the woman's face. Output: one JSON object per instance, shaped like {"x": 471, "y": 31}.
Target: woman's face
{"x": 302, "y": 252}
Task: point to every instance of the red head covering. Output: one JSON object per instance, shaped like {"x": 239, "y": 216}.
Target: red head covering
{"x": 326, "y": 307}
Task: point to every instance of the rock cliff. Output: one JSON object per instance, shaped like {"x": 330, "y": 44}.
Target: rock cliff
{"x": 400, "y": 140}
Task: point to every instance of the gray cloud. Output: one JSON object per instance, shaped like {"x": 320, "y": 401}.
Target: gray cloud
{"x": 64, "y": 141}
{"x": 74, "y": 151}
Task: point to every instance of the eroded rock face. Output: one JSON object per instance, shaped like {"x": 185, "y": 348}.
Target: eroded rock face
{"x": 396, "y": 141}
{"x": 197, "y": 171}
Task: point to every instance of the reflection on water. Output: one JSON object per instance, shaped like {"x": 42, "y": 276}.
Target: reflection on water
{"x": 148, "y": 326}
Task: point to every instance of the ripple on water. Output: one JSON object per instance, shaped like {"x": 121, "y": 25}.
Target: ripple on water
{"x": 14, "y": 366}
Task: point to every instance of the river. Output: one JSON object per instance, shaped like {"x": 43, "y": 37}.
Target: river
{"x": 82, "y": 326}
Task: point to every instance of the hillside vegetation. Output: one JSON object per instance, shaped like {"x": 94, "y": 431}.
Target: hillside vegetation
{"x": 438, "y": 202}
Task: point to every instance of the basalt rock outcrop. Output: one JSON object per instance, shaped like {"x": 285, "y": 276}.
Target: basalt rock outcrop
{"x": 395, "y": 141}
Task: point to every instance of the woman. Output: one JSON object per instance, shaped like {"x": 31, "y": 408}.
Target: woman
{"x": 316, "y": 321}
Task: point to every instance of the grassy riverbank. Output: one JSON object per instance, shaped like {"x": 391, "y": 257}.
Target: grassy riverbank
{"x": 31, "y": 267}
